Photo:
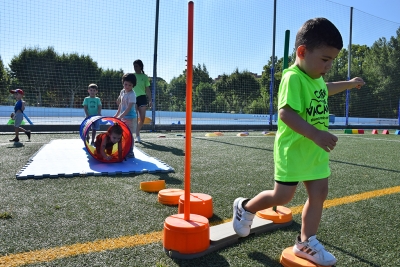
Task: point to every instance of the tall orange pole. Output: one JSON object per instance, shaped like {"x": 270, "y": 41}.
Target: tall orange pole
{"x": 188, "y": 126}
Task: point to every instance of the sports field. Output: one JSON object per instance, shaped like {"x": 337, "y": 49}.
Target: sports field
{"x": 109, "y": 221}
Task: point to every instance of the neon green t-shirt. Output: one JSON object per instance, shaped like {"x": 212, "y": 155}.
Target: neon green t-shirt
{"x": 142, "y": 81}
{"x": 296, "y": 157}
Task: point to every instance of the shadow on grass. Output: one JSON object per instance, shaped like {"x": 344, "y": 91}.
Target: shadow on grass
{"x": 351, "y": 254}
{"x": 168, "y": 179}
{"x": 213, "y": 259}
{"x": 236, "y": 145}
{"x": 365, "y": 166}
{"x": 173, "y": 150}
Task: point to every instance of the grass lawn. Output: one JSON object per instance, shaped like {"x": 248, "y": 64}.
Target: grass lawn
{"x": 40, "y": 216}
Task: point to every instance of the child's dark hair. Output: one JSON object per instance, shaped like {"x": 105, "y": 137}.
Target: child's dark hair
{"x": 140, "y": 63}
{"x": 129, "y": 77}
{"x": 116, "y": 129}
{"x": 318, "y": 32}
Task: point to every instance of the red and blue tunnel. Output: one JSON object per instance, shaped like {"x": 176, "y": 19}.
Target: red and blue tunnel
{"x": 126, "y": 140}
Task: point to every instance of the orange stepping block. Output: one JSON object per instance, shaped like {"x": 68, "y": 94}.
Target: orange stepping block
{"x": 288, "y": 259}
{"x": 243, "y": 134}
{"x": 186, "y": 236}
{"x": 152, "y": 186}
{"x": 170, "y": 196}
{"x": 281, "y": 215}
{"x": 200, "y": 204}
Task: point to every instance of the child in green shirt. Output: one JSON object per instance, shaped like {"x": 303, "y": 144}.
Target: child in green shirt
{"x": 302, "y": 143}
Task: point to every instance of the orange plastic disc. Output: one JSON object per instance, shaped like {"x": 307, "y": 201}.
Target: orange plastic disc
{"x": 288, "y": 259}
{"x": 200, "y": 204}
{"x": 186, "y": 237}
{"x": 170, "y": 196}
{"x": 152, "y": 186}
{"x": 243, "y": 134}
{"x": 211, "y": 135}
{"x": 281, "y": 215}
{"x": 218, "y": 133}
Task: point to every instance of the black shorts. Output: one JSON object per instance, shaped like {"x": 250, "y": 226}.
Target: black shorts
{"x": 141, "y": 101}
{"x": 287, "y": 183}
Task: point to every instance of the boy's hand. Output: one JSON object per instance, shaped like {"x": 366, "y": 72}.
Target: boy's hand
{"x": 325, "y": 140}
{"x": 357, "y": 82}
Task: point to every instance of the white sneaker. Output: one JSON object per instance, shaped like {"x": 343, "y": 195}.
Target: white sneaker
{"x": 314, "y": 251}
{"x": 242, "y": 219}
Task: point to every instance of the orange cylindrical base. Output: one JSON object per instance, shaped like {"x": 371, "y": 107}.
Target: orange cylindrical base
{"x": 288, "y": 259}
{"x": 186, "y": 237}
{"x": 282, "y": 214}
{"x": 152, "y": 186}
{"x": 170, "y": 196}
{"x": 200, "y": 204}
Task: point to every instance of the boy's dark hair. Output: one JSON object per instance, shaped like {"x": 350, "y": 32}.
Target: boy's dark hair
{"x": 129, "y": 77}
{"x": 116, "y": 128}
{"x": 94, "y": 86}
{"x": 318, "y": 32}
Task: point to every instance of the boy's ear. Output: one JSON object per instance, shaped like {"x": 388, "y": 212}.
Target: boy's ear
{"x": 301, "y": 50}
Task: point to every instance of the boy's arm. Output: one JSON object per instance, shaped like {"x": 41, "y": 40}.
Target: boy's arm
{"x": 103, "y": 148}
{"x": 118, "y": 111}
{"x": 120, "y": 150}
{"x": 323, "y": 139}
{"x": 23, "y": 106}
{"x": 99, "y": 110}
{"x": 85, "y": 107}
{"x": 337, "y": 87}
{"x": 130, "y": 105}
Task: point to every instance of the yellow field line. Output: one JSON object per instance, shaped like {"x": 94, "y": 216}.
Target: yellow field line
{"x": 46, "y": 255}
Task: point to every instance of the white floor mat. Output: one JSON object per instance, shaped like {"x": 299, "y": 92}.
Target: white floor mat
{"x": 69, "y": 158}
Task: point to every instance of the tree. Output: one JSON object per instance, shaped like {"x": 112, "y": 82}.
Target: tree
{"x": 177, "y": 87}
{"x": 4, "y": 82}
{"x": 110, "y": 86}
{"x": 35, "y": 71}
{"x": 236, "y": 91}
{"x": 75, "y": 74}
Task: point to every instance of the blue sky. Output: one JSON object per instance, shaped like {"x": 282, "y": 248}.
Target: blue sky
{"x": 227, "y": 34}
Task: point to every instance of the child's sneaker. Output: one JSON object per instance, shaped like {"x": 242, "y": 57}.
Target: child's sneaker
{"x": 16, "y": 139}
{"x": 130, "y": 155}
{"x": 242, "y": 219}
{"x": 92, "y": 144}
{"x": 28, "y": 133}
{"x": 314, "y": 251}
{"x": 138, "y": 139}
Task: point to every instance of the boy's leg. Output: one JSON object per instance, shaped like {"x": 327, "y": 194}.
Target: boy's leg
{"x": 245, "y": 209}
{"x": 312, "y": 211}
{"x": 307, "y": 246}
{"x": 131, "y": 123}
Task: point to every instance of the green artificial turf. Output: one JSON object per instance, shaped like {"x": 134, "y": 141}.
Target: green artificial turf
{"x": 49, "y": 213}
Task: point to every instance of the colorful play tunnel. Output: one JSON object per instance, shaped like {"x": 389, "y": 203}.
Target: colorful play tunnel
{"x": 126, "y": 140}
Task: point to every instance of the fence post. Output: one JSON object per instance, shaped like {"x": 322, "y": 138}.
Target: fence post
{"x": 154, "y": 86}
{"x": 349, "y": 67}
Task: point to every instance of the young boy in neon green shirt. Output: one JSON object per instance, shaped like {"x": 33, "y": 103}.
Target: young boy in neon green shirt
{"x": 302, "y": 143}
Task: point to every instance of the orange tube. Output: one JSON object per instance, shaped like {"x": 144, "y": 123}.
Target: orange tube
{"x": 188, "y": 126}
